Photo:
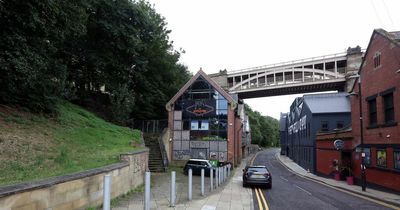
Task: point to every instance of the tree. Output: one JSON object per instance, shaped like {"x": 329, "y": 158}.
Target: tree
{"x": 264, "y": 129}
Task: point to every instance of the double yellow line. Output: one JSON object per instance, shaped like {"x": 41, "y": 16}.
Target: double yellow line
{"x": 262, "y": 203}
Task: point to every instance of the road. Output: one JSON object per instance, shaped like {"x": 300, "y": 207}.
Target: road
{"x": 290, "y": 191}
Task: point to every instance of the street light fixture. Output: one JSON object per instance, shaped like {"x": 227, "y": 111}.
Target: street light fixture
{"x": 363, "y": 178}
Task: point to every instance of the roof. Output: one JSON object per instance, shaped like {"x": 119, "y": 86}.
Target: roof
{"x": 393, "y": 37}
{"x": 328, "y": 103}
{"x": 210, "y": 81}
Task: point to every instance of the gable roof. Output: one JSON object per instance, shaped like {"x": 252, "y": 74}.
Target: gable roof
{"x": 191, "y": 81}
{"x": 393, "y": 37}
{"x": 328, "y": 103}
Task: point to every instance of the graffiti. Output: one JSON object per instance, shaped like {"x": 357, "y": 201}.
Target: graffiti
{"x": 199, "y": 144}
{"x": 181, "y": 154}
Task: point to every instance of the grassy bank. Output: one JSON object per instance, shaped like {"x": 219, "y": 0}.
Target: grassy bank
{"x": 35, "y": 147}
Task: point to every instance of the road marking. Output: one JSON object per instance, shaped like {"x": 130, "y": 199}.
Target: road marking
{"x": 303, "y": 190}
{"x": 263, "y": 199}
{"x": 254, "y": 157}
{"x": 208, "y": 207}
{"x": 258, "y": 200}
{"x": 284, "y": 178}
{"x": 338, "y": 189}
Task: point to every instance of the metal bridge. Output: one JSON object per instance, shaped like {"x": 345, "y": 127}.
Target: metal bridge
{"x": 315, "y": 74}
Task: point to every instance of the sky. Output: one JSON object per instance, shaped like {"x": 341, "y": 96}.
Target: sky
{"x": 232, "y": 34}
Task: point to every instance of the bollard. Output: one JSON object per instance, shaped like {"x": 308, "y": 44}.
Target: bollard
{"x": 147, "y": 191}
{"x": 223, "y": 174}
{"x": 190, "y": 185}
{"x": 216, "y": 178}
{"x": 211, "y": 179}
{"x": 202, "y": 182}
{"x": 220, "y": 176}
{"x": 106, "y": 192}
{"x": 229, "y": 169}
{"x": 173, "y": 189}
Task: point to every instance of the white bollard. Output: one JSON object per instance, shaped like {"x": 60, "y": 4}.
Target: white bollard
{"x": 211, "y": 179}
{"x": 106, "y": 192}
{"x": 190, "y": 185}
{"x": 222, "y": 175}
{"x": 147, "y": 191}
{"x": 229, "y": 169}
{"x": 202, "y": 182}
{"x": 173, "y": 189}
{"x": 216, "y": 177}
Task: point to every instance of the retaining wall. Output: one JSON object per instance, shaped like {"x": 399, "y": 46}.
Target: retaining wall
{"x": 79, "y": 190}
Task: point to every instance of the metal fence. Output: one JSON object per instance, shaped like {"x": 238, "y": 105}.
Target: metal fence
{"x": 150, "y": 126}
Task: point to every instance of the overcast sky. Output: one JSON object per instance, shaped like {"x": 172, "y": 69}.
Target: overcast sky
{"x": 229, "y": 34}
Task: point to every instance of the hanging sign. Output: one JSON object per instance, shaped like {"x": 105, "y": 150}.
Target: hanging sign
{"x": 338, "y": 144}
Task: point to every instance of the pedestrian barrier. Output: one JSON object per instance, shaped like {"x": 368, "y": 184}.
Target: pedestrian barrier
{"x": 106, "y": 192}
{"x": 217, "y": 176}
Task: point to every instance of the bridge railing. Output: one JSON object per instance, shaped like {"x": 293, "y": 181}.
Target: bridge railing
{"x": 293, "y": 62}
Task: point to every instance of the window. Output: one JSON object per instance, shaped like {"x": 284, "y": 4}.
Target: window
{"x": 324, "y": 126}
{"x": 199, "y": 125}
{"x": 388, "y": 107}
{"x": 381, "y": 157}
{"x": 367, "y": 159}
{"x": 339, "y": 124}
{"x": 396, "y": 155}
{"x": 377, "y": 60}
{"x": 186, "y": 125}
{"x": 372, "y": 112}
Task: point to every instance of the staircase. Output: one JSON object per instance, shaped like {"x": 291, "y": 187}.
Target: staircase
{"x": 155, "y": 158}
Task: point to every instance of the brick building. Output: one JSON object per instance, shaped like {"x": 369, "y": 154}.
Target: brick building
{"x": 380, "y": 100}
{"x": 206, "y": 122}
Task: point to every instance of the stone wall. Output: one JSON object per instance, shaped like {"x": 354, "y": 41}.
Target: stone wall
{"x": 79, "y": 190}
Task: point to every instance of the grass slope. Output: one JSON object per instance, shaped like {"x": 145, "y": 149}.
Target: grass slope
{"x": 35, "y": 147}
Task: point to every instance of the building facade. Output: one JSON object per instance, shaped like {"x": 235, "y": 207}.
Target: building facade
{"x": 206, "y": 122}
{"x": 380, "y": 101}
{"x": 308, "y": 116}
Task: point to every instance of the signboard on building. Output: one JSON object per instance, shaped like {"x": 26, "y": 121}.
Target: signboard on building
{"x": 338, "y": 144}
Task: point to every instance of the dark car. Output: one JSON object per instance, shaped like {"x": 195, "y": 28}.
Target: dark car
{"x": 257, "y": 175}
{"x": 196, "y": 165}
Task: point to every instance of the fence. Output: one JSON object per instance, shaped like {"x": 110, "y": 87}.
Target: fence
{"x": 150, "y": 126}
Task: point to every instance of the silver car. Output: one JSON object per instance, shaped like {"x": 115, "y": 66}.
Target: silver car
{"x": 257, "y": 175}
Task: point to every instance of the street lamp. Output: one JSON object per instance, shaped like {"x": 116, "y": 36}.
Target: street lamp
{"x": 363, "y": 178}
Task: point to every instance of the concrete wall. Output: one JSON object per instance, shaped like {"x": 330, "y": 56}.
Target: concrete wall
{"x": 79, "y": 190}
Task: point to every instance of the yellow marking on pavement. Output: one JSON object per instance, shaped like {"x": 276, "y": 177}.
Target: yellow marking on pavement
{"x": 252, "y": 159}
{"x": 260, "y": 207}
{"x": 263, "y": 199}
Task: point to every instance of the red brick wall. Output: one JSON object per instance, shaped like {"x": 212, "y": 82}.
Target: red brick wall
{"x": 238, "y": 139}
{"x": 326, "y": 152}
{"x": 373, "y": 82}
{"x": 231, "y": 134}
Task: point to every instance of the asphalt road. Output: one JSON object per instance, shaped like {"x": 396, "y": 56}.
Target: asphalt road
{"x": 290, "y": 191}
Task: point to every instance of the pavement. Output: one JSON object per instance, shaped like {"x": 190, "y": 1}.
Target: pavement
{"x": 231, "y": 195}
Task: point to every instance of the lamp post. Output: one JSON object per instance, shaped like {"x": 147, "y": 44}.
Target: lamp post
{"x": 363, "y": 177}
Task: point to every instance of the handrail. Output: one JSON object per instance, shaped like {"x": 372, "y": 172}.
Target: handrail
{"x": 290, "y": 62}
{"x": 162, "y": 149}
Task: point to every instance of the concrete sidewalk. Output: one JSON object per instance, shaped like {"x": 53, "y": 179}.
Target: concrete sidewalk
{"x": 342, "y": 185}
{"x": 229, "y": 196}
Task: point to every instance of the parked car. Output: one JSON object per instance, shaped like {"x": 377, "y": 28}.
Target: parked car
{"x": 257, "y": 175}
{"x": 196, "y": 165}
